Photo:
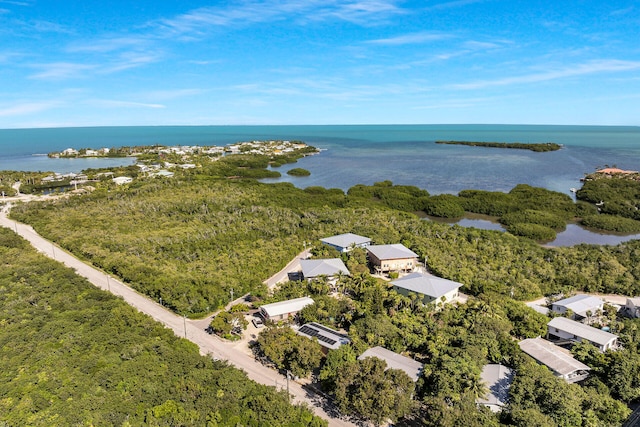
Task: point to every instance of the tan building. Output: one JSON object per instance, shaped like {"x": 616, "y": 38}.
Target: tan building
{"x": 388, "y": 258}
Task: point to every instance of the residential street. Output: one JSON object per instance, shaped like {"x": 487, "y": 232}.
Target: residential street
{"x": 192, "y": 330}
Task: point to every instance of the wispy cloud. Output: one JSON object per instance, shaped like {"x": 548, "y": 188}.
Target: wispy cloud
{"x": 414, "y": 38}
{"x": 593, "y": 67}
{"x": 198, "y": 21}
{"x": 108, "y": 44}
{"x": 453, "y": 4}
{"x": 620, "y": 12}
{"x": 16, "y": 3}
{"x": 61, "y": 70}
{"x": 109, "y": 103}
{"x": 173, "y": 94}
{"x": 129, "y": 60}
{"x": 26, "y": 108}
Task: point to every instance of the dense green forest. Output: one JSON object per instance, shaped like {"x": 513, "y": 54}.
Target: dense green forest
{"x": 75, "y": 355}
{"x": 191, "y": 239}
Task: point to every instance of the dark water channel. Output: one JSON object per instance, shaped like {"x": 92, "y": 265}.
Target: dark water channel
{"x": 573, "y": 235}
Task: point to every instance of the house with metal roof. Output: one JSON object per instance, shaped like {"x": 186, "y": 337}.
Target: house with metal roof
{"x": 560, "y": 361}
{"x": 497, "y": 378}
{"x": 582, "y": 306}
{"x": 331, "y": 267}
{"x": 327, "y": 337}
{"x": 567, "y": 329}
{"x": 347, "y": 241}
{"x": 395, "y": 361}
{"x": 284, "y": 309}
{"x": 632, "y": 307}
{"x": 432, "y": 287}
{"x": 388, "y": 258}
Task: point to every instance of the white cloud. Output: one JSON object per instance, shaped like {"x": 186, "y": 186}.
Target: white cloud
{"x": 593, "y": 67}
{"x": 413, "y": 38}
{"x": 107, "y": 44}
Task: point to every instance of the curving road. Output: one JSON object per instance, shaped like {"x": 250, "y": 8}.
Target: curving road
{"x": 208, "y": 344}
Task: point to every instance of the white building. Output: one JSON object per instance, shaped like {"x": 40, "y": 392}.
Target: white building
{"x": 497, "y": 379}
{"x": 327, "y": 337}
{"x": 632, "y": 307}
{"x": 435, "y": 289}
{"x": 581, "y": 305}
{"x": 395, "y": 361}
{"x": 346, "y": 242}
{"x": 330, "y": 268}
{"x": 284, "y": 309}
{"x": 567, "y": 329}
{"x": 120, "y": 180}
{"x": 560, "y": 361}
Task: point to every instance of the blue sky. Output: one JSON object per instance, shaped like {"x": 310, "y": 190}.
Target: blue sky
{"x": 93, "y": 63}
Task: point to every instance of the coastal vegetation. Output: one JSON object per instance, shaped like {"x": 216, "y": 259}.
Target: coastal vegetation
{"x": 298, "y": 172}
{"x": 537, "y": 147}
{"x": 76, "y": 355}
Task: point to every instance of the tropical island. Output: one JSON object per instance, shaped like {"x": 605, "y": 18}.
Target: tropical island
{"x": 537, "y": 147}
{"x": 194, "y": 239}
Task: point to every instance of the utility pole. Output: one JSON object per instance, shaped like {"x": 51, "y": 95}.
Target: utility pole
{"x": 231, "y": 294}
{"x": 108, "y": 283}
{"x": 184, "y": 317}
{"x": 53, "y": 251}
{"x": 288, "y": 395}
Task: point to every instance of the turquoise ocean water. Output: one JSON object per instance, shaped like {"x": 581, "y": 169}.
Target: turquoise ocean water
{"x": 404, "y": 154}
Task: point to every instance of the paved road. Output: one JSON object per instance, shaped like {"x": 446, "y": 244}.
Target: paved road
{"x": 208, "y": 344}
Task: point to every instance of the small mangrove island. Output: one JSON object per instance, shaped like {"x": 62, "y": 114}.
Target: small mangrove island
{"x": 538, "y": 147}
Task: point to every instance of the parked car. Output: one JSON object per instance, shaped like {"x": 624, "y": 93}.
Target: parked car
{"x": 257, "y": 322}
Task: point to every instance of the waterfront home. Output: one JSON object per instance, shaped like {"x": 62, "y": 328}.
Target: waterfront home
{"x": 395, "y": 361}
{"x": 330, "y": 268}
{"x": 326, "y": 337}
{"x": 283, "y": 310}
{"x": 433, "y": 288}
{"x": 560, "y": 361}
{"x": 346, "y": 242}
{"x": 566, "y": 329}
{"x": 391, "y": 258}
{"x": 497, "y": 378}
{"x": 581, "y": 306}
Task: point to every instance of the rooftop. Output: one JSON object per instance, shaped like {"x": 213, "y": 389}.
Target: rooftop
{"x": 288, "y": 306}
{"x": 426, "y": 284}
{"x": 395, "y": 251}
{"x": 556, "y": 358}
{"x": 395, "y": 361}
{"x": 581, "y": 303}
{"x": 581, "y": 330}
{"x": 323, "y": 267}
{"x": 327, "y": 337}
{"x": 346, "y": 240}
{"x": 498, "y": 379}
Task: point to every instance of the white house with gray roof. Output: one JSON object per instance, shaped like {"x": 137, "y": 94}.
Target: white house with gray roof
{"x": 395, "y": 361}
{"x": 347, "y": 241}
{"x": 582, "y": 306}
{"x": 331, "y": 267}
{"x": 560, "y": 361}
{"x": 328, "y": 338}
{"x": 497, "y": 378}
{"x": 435, "y": 289}
{"x": 567, "y": 329}
{"x": 396, "y": 257}
{"x": 284, "y": 309}
{"x": 632, "y": 307}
